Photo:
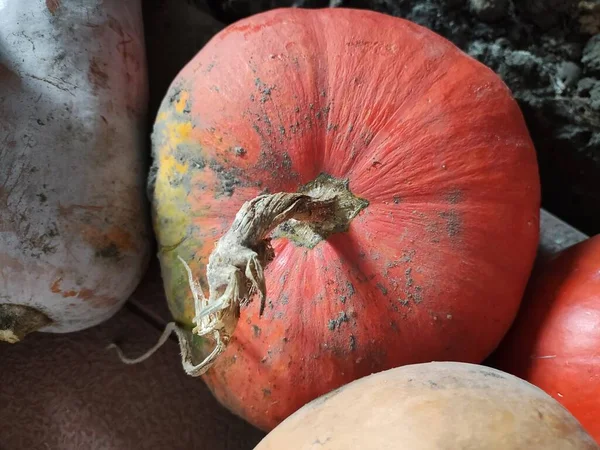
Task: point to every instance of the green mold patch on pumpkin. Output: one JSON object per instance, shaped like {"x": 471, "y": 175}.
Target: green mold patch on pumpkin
{"x": 345, "y": 208}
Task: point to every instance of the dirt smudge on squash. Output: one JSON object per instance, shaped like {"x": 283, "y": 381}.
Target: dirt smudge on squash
{"x": 111, "y": 251}
{"x": 52, "y": 6}
{"x": 109, "y": 244}
{"x": 256, "y": 330}
{"x": 97, "y": 76}
{"x": 66, "y": 211}
{"x": 89, "y": 295}
{"x": 41, "y": 244}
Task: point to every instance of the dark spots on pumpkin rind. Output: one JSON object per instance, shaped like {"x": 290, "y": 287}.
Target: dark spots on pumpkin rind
{"x": 489, "y": 373}
{"x": 266, "y": 392}
{"x": 336, "y": 323}
{"x": 264, "y": 90}
{"x": 351, "y": 290}
{"x": 256, "y": 330}
{"x": 417, "y": 296}
{"x": 409, "y": 280}
{"x": 174, "y": 97}
{"x": 433, "y": 385}
{"x": 407, "y": 256}
{"x": 453, "y": 222}
{"x": 454, "y": 196}
{"x": 352, "y": 343}
{"x": 367, "y": 137}
{"x": 229, "y": 179}
{"x": 266, "y": 357}
{"x": 239, "y": 151}
{"x": 382, "y": 288}
{"x": 266, "y": 119}
{"x": 276, "y": 164}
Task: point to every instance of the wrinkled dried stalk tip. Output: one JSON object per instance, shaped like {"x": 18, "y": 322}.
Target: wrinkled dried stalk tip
{"x": 234, "y": 273}
{"x": 235, "y": 269}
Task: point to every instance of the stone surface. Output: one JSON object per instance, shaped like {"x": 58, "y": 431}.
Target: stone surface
{"x": 556, "y": 235}
{"x": 542, "y": 49}
{"x": 489, "y": 10}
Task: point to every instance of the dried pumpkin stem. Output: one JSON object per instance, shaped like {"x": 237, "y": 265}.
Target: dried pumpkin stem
{"x": 235, "y": 270}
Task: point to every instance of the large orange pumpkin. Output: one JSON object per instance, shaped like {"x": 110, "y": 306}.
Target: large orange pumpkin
{"x": 412, "y": 198}
{"x": 555, "y": 340}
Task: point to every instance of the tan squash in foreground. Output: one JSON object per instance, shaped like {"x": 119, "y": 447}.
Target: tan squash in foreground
{"x": 433, "y": 406}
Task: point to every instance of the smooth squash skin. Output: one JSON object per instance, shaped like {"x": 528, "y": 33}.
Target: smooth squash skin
{"x": 74, "y": 232}
{"x": 434, "y": 265}
{"x": 555, "y": 340}
{"x": 432, "y": 406}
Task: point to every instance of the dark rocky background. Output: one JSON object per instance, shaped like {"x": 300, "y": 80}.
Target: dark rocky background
{"x": 547, "y": 51}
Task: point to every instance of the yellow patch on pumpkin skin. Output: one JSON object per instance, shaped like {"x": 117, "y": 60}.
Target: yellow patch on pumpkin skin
{"x": 171, "y": 200}
{"x": 177, "y": 133}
